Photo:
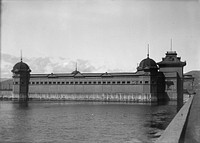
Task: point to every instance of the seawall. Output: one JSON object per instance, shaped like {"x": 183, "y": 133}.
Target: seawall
{"x": 172, "y": 133}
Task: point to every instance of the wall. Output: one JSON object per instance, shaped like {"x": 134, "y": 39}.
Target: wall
{"x": 137, "y": 88}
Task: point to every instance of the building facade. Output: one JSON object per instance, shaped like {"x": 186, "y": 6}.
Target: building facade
{"x": 151, "y": 82}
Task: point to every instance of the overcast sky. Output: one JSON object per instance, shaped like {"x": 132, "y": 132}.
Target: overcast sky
{"x": 100, "y": 35}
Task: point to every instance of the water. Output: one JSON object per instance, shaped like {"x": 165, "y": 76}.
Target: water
{"x": 82, "y": 122}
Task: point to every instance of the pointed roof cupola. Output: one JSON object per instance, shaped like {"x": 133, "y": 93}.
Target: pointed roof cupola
{"x": 147, "y": 64}
{"x": 21, "y": 66}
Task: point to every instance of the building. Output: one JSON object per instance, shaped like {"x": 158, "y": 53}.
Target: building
{"x": 151, "y": 82}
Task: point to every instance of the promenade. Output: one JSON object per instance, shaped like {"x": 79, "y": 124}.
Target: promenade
{"x": 192, "y": 130}
{"x": 174, "y": 130}
{"x": 185, "y": 127}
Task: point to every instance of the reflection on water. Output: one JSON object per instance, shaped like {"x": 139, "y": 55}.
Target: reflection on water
{"x": 82, "y": 122}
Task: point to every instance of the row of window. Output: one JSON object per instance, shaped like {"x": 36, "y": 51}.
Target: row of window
{"x": 87, "y": 82}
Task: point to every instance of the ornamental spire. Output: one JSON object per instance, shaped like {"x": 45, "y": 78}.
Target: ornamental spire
{"x": 148, "y": 51}
{"x": 21, "y": 55}
{"x": 76, "y": 67}
{"x": 171, "y": 45}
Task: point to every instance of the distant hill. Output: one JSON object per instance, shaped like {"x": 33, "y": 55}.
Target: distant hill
{"x": 3, "y": 79}
{"x": 6, "y": 84}
{"x": 196, "y": 75}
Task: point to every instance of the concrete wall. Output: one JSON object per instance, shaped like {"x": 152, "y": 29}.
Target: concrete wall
{"x": 172, "y": 133}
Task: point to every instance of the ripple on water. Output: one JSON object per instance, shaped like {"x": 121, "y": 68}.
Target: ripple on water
{"x": 82, "y": 122}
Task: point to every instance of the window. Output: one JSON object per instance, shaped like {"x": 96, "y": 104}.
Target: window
{"x": 58, "y": 82}
{"x": 108, "y": 82}
{"x": 146, "y": 82}
{"x": 37, "y": 82}
{"x": 50, "y": 82}
{"x": 94, "y": 82}
{"x": 104, "y": 82}
{"x": 63, "y": 82}
{"x": 99, "y": 82}
{"x": 33, "y": 82}
{"x": 81, "y": 82}
{"x": 128, "y": 82}
{"x": 90, "y": 82}
{"x": 140, "y": 81}
{"x": 45, "y": 82}
{"x": 113, "y": 82}
{"x": 76, "y": 82}
{"x": 85, "y": 82}
{"x": 41, "y": 82}
{"x": 67, "y": 82}
{"x": 118, "y": 82}
{"x": 54, "y": 82}
{"x": 71, "y": 82}
{"x": 123, "y": 82}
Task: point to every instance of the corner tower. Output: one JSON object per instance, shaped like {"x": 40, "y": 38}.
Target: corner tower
{"x": 21, "y": 76}
{"x": 148, "y": 74}
{"x": 172, "y": 68}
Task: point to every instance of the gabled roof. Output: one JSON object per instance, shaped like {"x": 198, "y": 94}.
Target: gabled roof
{"x": 84, "y": 75}
{"x": 106, "y": 75}
{"x": 79, "y": 75}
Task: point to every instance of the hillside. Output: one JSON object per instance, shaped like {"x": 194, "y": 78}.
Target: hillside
{"x": 196, "y": 75}
{"x": 6, "y": 84}
{"x": 3, "y": 79}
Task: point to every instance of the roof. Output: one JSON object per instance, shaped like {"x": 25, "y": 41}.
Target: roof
{"x": 147, "y": 63}
{"x": 84, "y": 75}
{"x": 21, "y": 66}
{"x": 171, "y": 60}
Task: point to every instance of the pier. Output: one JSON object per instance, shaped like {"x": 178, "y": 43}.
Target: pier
{"x": 185, "y": 127}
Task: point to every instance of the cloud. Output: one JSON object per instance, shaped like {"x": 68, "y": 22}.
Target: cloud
{"x": 45, "y": 65}
{"x": 9, "y": 58}
{"x": 48, "y": 65}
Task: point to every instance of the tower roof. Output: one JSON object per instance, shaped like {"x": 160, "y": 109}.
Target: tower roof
{"x": 171, "y": 60}
{"x": 21, "y": 66}
{"x": 147, "y": 63}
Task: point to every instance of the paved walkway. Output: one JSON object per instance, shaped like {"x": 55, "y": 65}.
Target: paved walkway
{"x": 192, "y": 132}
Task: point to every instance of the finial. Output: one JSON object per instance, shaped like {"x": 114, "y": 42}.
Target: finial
{"x": 171, "y": 45}
{"x": 148, "y": 51}
{"x": 76, "y": 67}
{"x": 21, "y": 54}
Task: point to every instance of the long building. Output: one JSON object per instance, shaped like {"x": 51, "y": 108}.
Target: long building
{"x": 151, "y": 82}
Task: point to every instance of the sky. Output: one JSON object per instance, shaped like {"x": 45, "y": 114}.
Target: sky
{"x": 98, "y": 35}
